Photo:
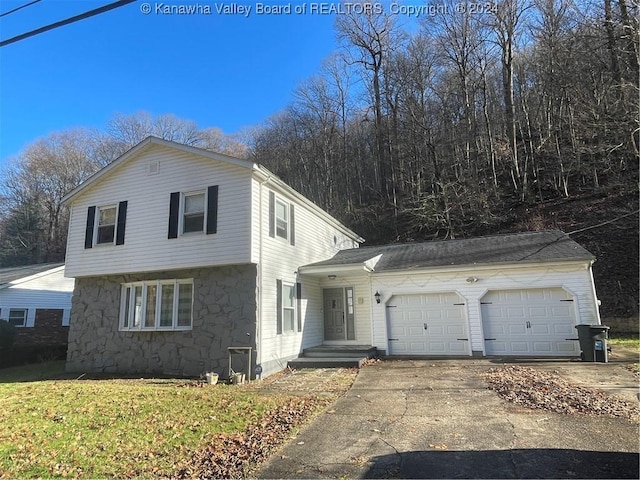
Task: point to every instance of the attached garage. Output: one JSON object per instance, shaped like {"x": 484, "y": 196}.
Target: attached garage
{"x": 530, "y": 322}
{"x": 519, "y": 294}
{"x": 427, "y": 324}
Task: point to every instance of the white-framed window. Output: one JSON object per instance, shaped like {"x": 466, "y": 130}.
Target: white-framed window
{"x": 193, "y": 211}
{"x": 288, "y": 307}
{"x": 157, "y": 305}
{"x": 282, "y": 218}
{"x": 18, "y": 317}
{"x": 105, "y": 228}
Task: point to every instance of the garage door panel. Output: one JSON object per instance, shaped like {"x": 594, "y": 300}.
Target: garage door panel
{"x": 444, "y": 319}
{"x": 529, "y": 321}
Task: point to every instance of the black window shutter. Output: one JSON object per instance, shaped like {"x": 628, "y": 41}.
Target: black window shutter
{"x": 279, "y": 306}
{"x": 299, "y": 305}
{"x": 122, "y": 221}
{"x": 292, "y": 226}
{"x": 88, "y": 234}
{"x": 174, "y": 206}
{"x": 212, "y": 209}
{"x": 272, "y": 214}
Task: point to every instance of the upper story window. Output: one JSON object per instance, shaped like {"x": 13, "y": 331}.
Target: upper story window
{"x": 281, "y": 219}
{"x": 106, "y": 228}
{"x": 106, "y": 225}
{"x": 193, "y": 212}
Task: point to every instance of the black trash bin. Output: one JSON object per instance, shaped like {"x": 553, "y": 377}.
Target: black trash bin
{"x": 593, "y": 343}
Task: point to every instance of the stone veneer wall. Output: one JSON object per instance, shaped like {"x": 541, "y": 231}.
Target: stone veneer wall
{"x": 224, "y": 315}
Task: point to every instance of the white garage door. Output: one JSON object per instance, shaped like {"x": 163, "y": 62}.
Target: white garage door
{"x": 529, "y": 322}
{"x": 427, "y": 324}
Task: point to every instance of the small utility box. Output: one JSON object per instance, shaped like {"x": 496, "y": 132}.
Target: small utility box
{"x": 593, "y": 343}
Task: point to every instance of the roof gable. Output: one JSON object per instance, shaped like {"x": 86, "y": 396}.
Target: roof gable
{"x": 518, "y": 248}
{"x": 144, "y": 146}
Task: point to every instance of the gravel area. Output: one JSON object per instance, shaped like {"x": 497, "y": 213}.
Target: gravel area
{"x": 542, "y": 390}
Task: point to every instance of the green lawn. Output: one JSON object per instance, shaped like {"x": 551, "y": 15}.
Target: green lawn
{"x": 631, "y": 342}
{"x": 113, "y": 428}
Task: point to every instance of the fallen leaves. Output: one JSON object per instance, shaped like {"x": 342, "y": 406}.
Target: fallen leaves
{"x": 545, "y": 391}
{"x": 229, "y": 456}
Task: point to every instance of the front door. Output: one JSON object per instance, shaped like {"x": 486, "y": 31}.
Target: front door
{"x": 334, "y": 314}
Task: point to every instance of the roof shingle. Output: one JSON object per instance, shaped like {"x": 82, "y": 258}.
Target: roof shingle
{"x": 516, "y": 248}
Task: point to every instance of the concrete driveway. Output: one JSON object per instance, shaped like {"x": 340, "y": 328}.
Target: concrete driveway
{"x": 437, "y": 419}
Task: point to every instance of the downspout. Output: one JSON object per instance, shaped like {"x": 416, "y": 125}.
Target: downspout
{"x": 596, "y": 302}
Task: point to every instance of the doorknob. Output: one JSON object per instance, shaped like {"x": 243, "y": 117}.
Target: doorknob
{"x": 426, "y": 327}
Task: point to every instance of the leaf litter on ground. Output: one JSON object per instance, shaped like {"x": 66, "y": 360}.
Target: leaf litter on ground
{"x": 543, "y": 390}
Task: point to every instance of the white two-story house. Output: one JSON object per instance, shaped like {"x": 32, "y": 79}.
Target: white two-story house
{"x": 180, "y": 254}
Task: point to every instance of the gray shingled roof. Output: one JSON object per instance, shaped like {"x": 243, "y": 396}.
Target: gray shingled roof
{"x": 10, "y": 274}
{"x": 529, "y": 247}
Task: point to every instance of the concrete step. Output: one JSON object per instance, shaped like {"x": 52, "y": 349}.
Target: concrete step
{"x": 332, "y": 362}
{"x": 339, "y": 352}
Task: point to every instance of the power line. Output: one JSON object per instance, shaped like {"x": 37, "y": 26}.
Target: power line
{"x": 19, "y": 8}
{"x": 603, "y": 223}
{"x": 62, "y": 23}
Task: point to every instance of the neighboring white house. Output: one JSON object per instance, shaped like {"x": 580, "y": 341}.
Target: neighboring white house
{"x": 37, "y": 300}
{"x": 180, "y": 254}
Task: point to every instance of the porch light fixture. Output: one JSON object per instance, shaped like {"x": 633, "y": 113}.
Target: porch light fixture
{"x": 377, "y": 295}
{"x": 332, "y": 277}
{"x": 472, "y": 280}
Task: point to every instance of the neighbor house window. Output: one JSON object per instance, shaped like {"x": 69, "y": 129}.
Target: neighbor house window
{"x": 193, "y": 212}
{"x": 18, "y": 317}
{"x": 106, "y": 224}
{"x": 157, "y": 305}
{"x": 282, "y": 219}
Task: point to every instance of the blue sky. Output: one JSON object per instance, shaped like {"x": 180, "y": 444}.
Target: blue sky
{"x": 220, "y": 70}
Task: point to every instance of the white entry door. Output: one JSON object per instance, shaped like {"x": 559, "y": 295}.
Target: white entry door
{"x": 539, "y": 321}
{"x": 427, "y": 324}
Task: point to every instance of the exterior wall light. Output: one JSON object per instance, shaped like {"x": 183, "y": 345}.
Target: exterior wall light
{"x": 472, "y": 280}
{"x": 332, "y": 277}
{"x": 377, "y": 295}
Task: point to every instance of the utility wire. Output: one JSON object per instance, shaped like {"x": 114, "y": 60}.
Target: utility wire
{"x": 19, "y": 8}
{"x": 603, "y": 223}
{"x": 67, "y": 21}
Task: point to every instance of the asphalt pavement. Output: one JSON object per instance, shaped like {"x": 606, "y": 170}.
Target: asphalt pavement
{"x": 437, "y": 419}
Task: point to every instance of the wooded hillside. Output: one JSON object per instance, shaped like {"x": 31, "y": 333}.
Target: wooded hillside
{"x": 522, "y": 115}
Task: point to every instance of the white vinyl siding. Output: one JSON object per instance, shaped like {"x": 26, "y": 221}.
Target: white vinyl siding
{"x": 147, "y": 248}
{"x": 315, "y": 239}
{"x": 141, "y": 301}
{"x": 574, "y": 278}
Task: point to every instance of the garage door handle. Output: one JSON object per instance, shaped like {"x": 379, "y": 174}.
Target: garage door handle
{"x": 576, "y": 339}
{"x": 426, "y": 327}
{"x": 394, "y": 339}
{"x": 463, "y": 339}
{"x": 487, "y": 339}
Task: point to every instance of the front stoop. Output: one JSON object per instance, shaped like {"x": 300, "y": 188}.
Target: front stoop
{"x": 334, "y": 356}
